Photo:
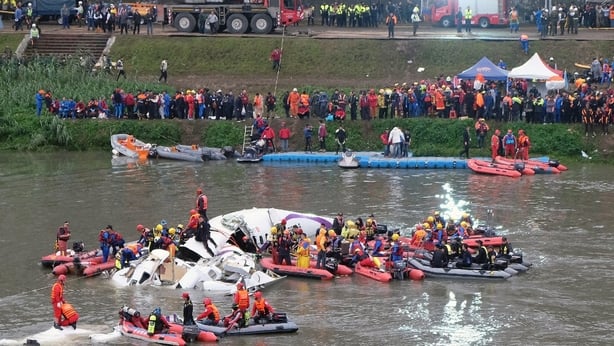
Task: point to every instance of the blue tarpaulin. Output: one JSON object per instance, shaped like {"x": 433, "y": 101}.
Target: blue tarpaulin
{"x": 487, "y": 68}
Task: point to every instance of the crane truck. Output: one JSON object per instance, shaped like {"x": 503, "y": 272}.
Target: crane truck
{"x": 236, "y": 16}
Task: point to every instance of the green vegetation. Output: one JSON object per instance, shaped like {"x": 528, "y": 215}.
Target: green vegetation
{"x": 243, "y": 62}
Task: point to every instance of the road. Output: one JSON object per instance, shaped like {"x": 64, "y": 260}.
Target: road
{"x": 402, "y": 32}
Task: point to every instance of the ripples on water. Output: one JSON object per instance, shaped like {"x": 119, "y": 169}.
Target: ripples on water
{"x": 561, "y": 222}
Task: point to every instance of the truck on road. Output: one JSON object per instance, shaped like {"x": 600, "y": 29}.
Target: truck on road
{"x": 485, "y": 13}
{"x": 236, "y": 16}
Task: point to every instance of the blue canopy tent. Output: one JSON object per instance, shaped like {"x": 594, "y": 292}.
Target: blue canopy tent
{"x": 487, "y": 68}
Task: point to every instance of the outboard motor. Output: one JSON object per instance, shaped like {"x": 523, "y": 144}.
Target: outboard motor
{"x": 331, "y": 265}
{"x": 382, "y": 229}
{"x": 519, "y": 166}
{"x": 280, "y": 317}
{"x": 190, "y": 333}
{"x": 78, "y": 246}
{"x": 153, "y": 151}
{"x": 553, "y": 163}
{"x": 228, "y": 151}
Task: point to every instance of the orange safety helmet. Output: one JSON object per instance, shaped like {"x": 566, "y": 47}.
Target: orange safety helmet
{"x": 193, "y": 211}
{"x": 258, "y": 295}
{"x": 185, "y": 295}
{"x": 240, "y": 286}
{"x": 139, "y": 227}
{"x": 62, "y": 278}
{"x": 207, "y": 301}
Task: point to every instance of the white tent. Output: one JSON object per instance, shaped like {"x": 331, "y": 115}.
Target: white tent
{"x": 534, "y": 68}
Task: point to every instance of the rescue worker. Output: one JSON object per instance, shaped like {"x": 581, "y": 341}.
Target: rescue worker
{"x": 157, "y": 323}
{"x": 262, "y": 309}
{"x": 468, "y": 17}
{"x": 505, "y": 250}
{"x": 103, "y": 240}
{"x": 211, "y": 315}
{"x": 338, "y": 223}
{"x": 482, "y": 256}
{"x": 371, "y": 227}
{"x": 440, "y": 257}
{"x": 69, "y": 316}
{"x": 235, "y": 319}
{"x": 396, "y": 253}
{"x": 465, "y": 258}
{"x": 188, "y": 309}
{"x": 63, "y": 235}
{"x": 418, "y": 236}
{"x": 524, "y": 144}
{"x": 494, "y": 145}
{"x": 378, "y": 247}
{"x": 321, "y": 241}
{"x": 491, "y": 259}
{"x": 202, "y": 203}
{"x": 302, "y": 253}
{"x": 284, "y": 248}
{"x": 57, "y": 299}
{"x": 203, "y": 234}
{"x": 241, "y": 298}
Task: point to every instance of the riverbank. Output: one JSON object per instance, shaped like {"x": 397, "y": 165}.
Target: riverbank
{"x": 430, "y": 137}
{"x": 235, "y": 63}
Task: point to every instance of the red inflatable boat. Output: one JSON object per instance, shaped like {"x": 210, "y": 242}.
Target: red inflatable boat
{"x": 373, "y": 273}
{"x": 284, "y": 269}
{"x": 484, "y": 167}
{"x": 537, "y": 166}
{"x": 53, "y": 259}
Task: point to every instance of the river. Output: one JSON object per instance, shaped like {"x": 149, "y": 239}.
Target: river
{"x": 560, "y": 221}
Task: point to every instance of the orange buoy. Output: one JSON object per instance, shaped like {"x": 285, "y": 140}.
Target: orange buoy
{"x": 416, "y": 274}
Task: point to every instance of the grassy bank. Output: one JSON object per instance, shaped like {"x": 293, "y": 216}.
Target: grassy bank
{"x": 243, "y": 63}
{"x": 430, "y": 137}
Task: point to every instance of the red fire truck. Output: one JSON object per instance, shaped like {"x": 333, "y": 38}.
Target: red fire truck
{"x": 485, "y": 12}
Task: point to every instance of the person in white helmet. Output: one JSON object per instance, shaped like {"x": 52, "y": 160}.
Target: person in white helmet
{"x": 34, "y": 34}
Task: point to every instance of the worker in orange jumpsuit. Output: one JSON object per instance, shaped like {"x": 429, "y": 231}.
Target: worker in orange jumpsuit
{"x": 293, "y": 100}
{"x": 523, "y": 145}
{"x": 57, "y": 299}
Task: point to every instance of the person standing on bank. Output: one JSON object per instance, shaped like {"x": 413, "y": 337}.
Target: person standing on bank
{"x": 459, "y": 20}
{"x": 212, "y": 20}
{"x": 276, "y": 58}
{"x": 466, "y": 143}
{"x": 468, "y": 17}
{"x": 391, "y": 21}
{"x": 415, "y": 19}
{"x": 163, "y": 70}
{"x": 120, "y": 67}
{"x": 340, "y": 137}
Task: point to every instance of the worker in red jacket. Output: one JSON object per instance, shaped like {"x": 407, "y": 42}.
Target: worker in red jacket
{"x": 57, "y": 299}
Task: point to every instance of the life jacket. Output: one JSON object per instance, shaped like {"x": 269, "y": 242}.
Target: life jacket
{"x": 203, "y": 202}
{"x": 151, "y": 327}
{"x": 103, "y": 236}
{"x": 68, "y": 310}
{"x": 505, "y": 249}
{"x": 449, "y": 249}
{"x": 243, "y": 299}
{"x": 260, "y": 305}
{"x": 215, "y": 313}
{"x": 509, "y": 140}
